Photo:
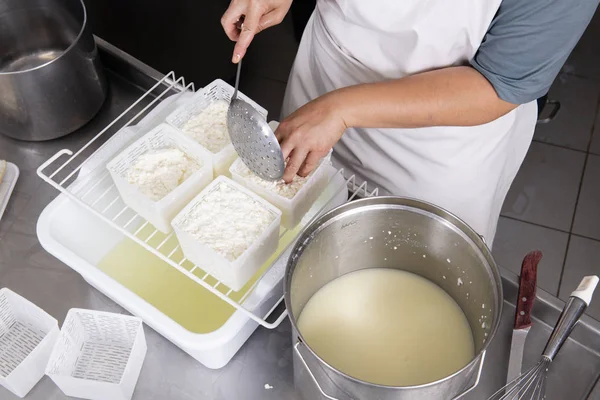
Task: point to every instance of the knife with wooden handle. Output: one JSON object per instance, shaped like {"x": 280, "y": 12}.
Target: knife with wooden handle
{"x": 527, "y": 291}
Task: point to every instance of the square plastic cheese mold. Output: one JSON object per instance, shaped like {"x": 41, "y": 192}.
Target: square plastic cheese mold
{"x": 294, "y": 209}
{"x": 234, "y": 274}
{"x": 27, "y": 335}
{"x": 160, "y": 213}
{"x": 215, "y": 91}
{"x": 98, "y": 355}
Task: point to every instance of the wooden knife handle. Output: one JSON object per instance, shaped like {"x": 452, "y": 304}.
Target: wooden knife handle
{"x": 527, "y": 289}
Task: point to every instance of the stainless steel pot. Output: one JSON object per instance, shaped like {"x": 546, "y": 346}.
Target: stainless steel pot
{"x": 424, "y": 239}
{"x": 51, "y": 81}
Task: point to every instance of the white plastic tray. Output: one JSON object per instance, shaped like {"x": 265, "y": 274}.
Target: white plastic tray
{"x": 94, "y": 191}
{"x": 7, "y": 185}
{"x": 81, "y": 240}
{"x": 89, "y": 219}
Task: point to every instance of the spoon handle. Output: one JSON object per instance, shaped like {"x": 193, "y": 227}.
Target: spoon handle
{"x": 240, "y": 26}
{"x": 237, "y": 80}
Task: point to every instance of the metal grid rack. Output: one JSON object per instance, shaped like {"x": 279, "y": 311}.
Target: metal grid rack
{"x": 84, "y": 179}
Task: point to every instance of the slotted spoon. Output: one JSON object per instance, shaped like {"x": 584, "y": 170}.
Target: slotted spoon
{"x": 253, "y": 139}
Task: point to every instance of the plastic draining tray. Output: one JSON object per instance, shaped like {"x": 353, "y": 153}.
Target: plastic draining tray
{"x": 89, "y": 220}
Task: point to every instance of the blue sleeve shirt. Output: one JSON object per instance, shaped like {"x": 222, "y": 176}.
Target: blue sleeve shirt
{"x": 527, "y": 44}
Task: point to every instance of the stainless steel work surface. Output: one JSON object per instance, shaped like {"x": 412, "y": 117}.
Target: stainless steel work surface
{"x": 266, "y": 359}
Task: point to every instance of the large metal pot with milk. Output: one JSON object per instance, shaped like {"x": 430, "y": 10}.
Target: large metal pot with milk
{"x": 401, "y": 234}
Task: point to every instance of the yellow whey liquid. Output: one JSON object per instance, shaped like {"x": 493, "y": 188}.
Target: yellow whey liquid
{"x": 387, "y": 327}
{"x": 171, "y": 292}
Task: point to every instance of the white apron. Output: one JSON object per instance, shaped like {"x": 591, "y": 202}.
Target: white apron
{"x": 466, "y": 170}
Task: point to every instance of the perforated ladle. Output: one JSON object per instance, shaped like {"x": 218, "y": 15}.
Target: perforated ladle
{"x": 253, "y": 139}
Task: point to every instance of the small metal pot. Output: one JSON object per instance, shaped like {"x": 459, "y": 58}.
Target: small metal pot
{"x": 424, "y": 237}
{"x": 51, "y": 80}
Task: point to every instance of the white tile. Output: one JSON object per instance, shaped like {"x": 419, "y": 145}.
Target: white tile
{"x": 514, "y": 239}
{"x": 545, "y": 189}
{"x": 587, "y": 214}
{"x": 573, "y": 124}
{"x": 582, "y": 260}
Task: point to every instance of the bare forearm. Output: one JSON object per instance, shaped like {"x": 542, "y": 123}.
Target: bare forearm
{"x": 456, "y": 96}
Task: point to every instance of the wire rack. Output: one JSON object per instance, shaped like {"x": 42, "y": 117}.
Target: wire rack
{"x": 82, "y": 177}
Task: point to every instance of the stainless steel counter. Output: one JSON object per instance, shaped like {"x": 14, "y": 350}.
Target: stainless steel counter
{"x": 266, "y": 359}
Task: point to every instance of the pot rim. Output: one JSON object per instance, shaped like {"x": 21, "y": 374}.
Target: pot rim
{"x": 316, "y": 225}
{"x": 66, "y": 51}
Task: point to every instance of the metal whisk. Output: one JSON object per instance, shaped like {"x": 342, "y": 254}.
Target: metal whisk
{"x": 532, "y": 384}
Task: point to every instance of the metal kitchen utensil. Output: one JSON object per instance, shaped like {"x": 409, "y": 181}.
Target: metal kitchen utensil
{"x": 527, "y": 291}
{"x": 406, "y": 234}
{"x": 51, "y": 80}
{"x": 253, "y": 139}
{"x": 532, "y": 384}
